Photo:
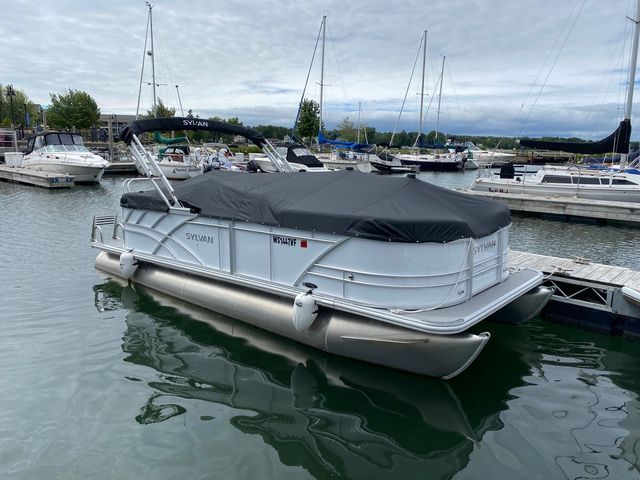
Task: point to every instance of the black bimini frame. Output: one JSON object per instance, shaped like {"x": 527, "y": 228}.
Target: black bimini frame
{"x": 143, "y": 158}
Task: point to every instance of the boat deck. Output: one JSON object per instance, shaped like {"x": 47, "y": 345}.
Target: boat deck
{"x": 567, "y": 207}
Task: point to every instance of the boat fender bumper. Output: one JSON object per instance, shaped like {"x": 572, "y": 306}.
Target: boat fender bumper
{"x": 305, "y": 311}
{"x": 128, "y": 265}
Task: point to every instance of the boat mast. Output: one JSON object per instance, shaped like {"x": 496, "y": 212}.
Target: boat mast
{"x": 153, "y": 62}
{"x": 324, "y": 31}
{"x": 179, "y": 101}
{"x": 632, "y": 75}
{"x": 424, "y": 63}
{"x": 144, "y": 55}
{"x": 358, "y": 123}
{"x": 440, "y": 97}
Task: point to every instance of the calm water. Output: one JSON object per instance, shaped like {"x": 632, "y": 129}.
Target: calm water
{"x": 100, "y": 380}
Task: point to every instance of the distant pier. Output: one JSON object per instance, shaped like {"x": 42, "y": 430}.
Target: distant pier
{"x": 600, "y": 211}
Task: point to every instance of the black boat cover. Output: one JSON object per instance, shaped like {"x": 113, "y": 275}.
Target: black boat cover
{"x": 397, "y": 209}
{"x": 184, "y": 123}
{"x": 617, "y": 142}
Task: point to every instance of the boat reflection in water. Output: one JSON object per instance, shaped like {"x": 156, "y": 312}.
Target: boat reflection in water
{"x": 547, "y": 400}
{"x": 330, "y": 415}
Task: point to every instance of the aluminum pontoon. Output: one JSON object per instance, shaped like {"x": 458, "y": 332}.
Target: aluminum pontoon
{"x": 388, "y": 270}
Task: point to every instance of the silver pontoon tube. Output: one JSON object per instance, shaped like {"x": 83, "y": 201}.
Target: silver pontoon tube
{"x": 441, "y": 356}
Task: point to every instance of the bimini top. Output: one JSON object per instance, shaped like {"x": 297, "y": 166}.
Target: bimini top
{"x": 184, "y": 123}
{"x": 298, "y": 153}
{"x": 398, "y": 209}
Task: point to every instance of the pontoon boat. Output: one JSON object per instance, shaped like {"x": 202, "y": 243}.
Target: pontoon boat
{"x": 389, "y": 270}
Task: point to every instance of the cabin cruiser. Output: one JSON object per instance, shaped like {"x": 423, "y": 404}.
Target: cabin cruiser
{"x": 63, "y": 153}
{"x": 297, "y": 156}
{"x": 386, "y": 163}
{"x": 388, "y": 270}
{"x": 564, "y": 182}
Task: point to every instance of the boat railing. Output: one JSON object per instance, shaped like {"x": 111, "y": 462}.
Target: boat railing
{"x": 150, "y": 167}
{"x": 278, "y": 161}
{"x": 104, "y": 220}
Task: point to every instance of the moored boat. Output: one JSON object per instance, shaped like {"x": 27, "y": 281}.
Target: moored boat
{"x": 392, "y": 271}
{"x": 63, "y": 153}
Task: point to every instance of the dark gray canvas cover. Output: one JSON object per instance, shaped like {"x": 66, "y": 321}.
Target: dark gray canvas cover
{"x": 397, "y": 209}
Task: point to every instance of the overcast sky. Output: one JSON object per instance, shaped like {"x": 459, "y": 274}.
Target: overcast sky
{"x": 250, "y": 59}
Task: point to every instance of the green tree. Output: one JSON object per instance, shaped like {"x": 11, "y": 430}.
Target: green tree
{"x": 273, "y": 131}
{"x": 160, "y": 111}
{"x": 16, "y": 98}
{"x": 347, "y": 130}
{"x": 309, "y": 119}
{"x": 74, "y": 109}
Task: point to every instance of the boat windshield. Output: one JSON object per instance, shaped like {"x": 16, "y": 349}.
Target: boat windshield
{"x": 59, "y": 142}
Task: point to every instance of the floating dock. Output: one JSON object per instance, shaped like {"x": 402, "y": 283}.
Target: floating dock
{"x": 35, "y": 177}
{"x": 121, "y": 168}
{"x": 599, "y": 211}
{"x": 587, "y": 294}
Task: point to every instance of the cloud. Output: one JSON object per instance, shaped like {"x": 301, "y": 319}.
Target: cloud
{"x": 251, "y": 60}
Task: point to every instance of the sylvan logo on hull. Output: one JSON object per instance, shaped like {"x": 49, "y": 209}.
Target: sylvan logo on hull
{"x": 483, "y": 247}
{"x": 200, "y": 238}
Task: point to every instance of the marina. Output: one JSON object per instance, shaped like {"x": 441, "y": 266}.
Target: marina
{"x": 239, "y": 276}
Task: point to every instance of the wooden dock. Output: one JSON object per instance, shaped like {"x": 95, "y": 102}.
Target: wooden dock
{"x": 627, "y": 213}
{"x": 587, "y": 294}
{"x": 35, "y": 177}
{"x": 121, "y": 168}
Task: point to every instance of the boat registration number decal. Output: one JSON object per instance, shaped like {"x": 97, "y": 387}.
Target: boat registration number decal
{"x": 483, "y": 247}
{"x": 289, "y": 241}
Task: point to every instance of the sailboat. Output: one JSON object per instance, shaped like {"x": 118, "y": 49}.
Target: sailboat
{"x": 615, "y": 184}
{"x": 344, "y": 154}
{"x": 175, "y": 156}
{"x": 434, "y": 162}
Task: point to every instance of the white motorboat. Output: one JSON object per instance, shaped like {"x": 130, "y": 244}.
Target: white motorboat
{"x": 299, "y": 158}
{"x": 177, "y": 162}
{"x": 63, "y": 153}
{"x": 390, "y": 270}
{"x": 564, "y": 182}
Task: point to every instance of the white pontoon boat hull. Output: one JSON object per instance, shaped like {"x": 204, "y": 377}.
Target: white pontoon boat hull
{"x": 442, "y": 356}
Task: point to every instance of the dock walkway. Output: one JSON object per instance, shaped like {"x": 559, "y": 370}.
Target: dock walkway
{"x": 587, "y": 294}
{"x": 35, "y": 177}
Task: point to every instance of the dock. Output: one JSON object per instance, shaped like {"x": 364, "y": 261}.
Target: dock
{"x": 599, "y": 211}
{"x": 587, "y": 294}
{"x": 121, "y": 168}
{"x": 35, "y": 177}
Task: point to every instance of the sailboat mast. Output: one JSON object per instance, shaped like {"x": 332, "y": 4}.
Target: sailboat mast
{"x": 153, "y": 61}
{"x": 440, "y": 97}
{"x": 144, "y": 55}
{"x": 359, "y": 110}
{"x": 324, "y": 31}
{"x": 424, "y": 64}
{"x": 632, "y": 75}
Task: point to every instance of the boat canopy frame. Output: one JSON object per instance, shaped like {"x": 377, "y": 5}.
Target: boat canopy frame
{"x": 149, "y": 165}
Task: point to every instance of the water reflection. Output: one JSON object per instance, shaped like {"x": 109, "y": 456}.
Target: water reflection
{"x": 552, "y": 397}
{"x": 330, "y": 415}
